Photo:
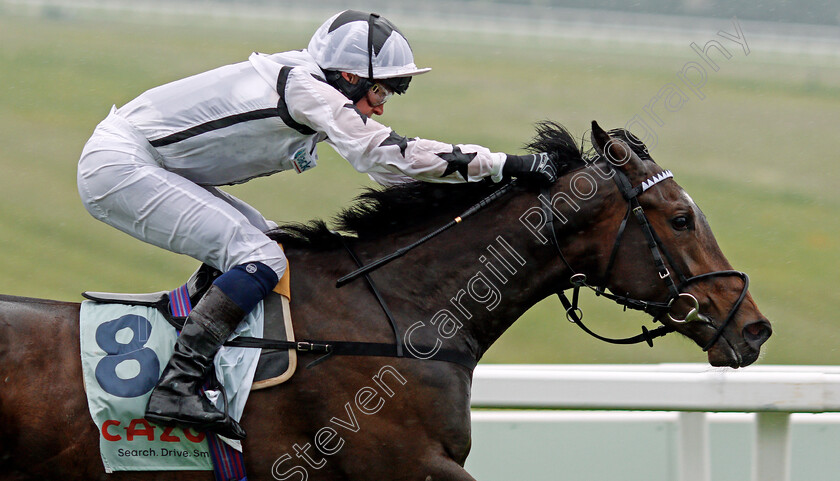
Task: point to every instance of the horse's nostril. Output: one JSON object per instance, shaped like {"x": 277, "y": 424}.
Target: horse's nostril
{"x": 756, "y": 333}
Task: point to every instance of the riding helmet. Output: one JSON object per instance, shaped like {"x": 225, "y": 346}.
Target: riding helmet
{"x": 367, "y": 45}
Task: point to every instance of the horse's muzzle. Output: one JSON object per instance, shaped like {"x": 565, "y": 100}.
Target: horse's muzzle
{"x": 741, "y": 354}
{"x": 756, "y": 333}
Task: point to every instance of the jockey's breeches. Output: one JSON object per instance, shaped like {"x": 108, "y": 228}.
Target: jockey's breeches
{"x": 122, "y": 183}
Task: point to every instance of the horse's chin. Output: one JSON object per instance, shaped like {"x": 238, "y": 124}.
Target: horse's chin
{"x": 718, "y": 360}
{"x": 723, "y": 355}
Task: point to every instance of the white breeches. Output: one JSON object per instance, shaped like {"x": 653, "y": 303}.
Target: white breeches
{"x": 122, "y": 184}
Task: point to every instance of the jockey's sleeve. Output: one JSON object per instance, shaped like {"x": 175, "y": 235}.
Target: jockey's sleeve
{"x": 389, "y": 178}
{"x": 375, "y": 148}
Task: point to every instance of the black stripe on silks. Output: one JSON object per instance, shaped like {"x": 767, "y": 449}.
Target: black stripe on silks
{"x": 214, "y": 125}
{"x": 398, "y": 140}
{"x": 283, "y": 109}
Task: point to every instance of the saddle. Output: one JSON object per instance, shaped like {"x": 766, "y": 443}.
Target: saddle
{"x": 275, "y": 365}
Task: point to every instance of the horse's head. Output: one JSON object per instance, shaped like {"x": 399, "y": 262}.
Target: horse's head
{"x": 658, "y": 252}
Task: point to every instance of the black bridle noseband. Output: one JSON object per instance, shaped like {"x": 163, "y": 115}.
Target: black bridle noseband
{"x": 659, "y": 254}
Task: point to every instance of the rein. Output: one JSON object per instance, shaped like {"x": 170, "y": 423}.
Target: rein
{"x": 354, "y": 348}
{"x": 364, "y": 270}
{"x": 574, "y": 314}
{"x": 578, "y": 280}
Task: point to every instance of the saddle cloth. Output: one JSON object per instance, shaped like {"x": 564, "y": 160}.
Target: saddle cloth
{"x": 124, "y": 348}
{"x": 123, "y": 351}
{"x": 274, "y": 366}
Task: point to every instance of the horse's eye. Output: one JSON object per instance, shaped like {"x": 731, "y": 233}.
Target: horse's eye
{"x": 681, "y": 222}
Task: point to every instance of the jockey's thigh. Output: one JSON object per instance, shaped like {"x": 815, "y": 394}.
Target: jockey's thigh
{"x": 127, "y": 189}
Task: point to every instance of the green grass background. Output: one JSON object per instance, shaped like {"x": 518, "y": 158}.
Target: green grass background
{"x": 758, "y": 154}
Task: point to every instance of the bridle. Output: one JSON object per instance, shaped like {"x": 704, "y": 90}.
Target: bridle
{"x": 578, "y": 280}
{"x": 659, "y": 254}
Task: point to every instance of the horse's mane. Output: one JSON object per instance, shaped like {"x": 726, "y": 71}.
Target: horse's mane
{"x": 379, "y": 212}
{"x": 553, "y": 137}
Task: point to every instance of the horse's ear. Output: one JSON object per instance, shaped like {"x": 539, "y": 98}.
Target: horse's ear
{"x": 618, "y": 153}
{"x": 599, "y": 138}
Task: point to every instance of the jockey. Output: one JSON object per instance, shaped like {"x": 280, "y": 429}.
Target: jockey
{"x": 152, "y": 169}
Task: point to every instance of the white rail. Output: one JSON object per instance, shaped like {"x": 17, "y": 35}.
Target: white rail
{"x": 772, "y": 392}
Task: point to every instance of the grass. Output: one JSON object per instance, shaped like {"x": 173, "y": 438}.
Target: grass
{"x": 756, "y": 153}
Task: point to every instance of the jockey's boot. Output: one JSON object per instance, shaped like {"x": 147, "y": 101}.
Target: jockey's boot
{"x": 200, "y": 281}
{"x": 176, "y": 400}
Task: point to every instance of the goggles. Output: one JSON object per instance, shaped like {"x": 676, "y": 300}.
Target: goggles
{"x": 378, "y": 95}
{"x": 396, "y": 84}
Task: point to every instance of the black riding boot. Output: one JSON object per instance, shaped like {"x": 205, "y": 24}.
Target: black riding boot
{"x": 175, "y": 400}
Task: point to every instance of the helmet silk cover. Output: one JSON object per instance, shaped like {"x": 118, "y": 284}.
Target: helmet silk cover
{"x": 341, "y": 44}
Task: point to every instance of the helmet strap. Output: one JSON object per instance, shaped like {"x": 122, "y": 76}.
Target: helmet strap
{"x": 353, "y": 91}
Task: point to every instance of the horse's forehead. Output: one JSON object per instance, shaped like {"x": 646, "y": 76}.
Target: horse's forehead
{"x": 687, "y": 198}
{"x": 673, "y": 192}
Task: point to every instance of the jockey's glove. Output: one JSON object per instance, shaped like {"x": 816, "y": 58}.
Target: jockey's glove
{"x": 536, "y": 168}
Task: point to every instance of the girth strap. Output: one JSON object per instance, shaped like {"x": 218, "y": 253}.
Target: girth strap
{"x": 353, "y": 348}
{"x": 375, "y": 292}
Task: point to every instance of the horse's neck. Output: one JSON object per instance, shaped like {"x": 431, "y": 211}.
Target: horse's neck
{"x": 512, "y": 265}
{"x": 472, "y": 282}
{"x": 462, "y": 289}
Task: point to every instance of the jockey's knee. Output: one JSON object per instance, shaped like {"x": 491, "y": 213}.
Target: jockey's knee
{"x": 268, "y": 253}
{"x": 253, "y": 275}
{"x": 277, "y": 264}
{"x": 247, "y": 284}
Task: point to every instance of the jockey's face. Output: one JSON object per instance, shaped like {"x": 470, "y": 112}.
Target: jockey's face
{"x": 366, "y": 103}
{"x": 365, "y": 107}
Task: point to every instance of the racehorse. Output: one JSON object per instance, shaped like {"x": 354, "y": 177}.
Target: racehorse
{"x": 614, "y": 221}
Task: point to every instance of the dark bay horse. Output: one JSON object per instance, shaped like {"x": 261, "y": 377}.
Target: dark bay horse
{"x": 388, "y": 418}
